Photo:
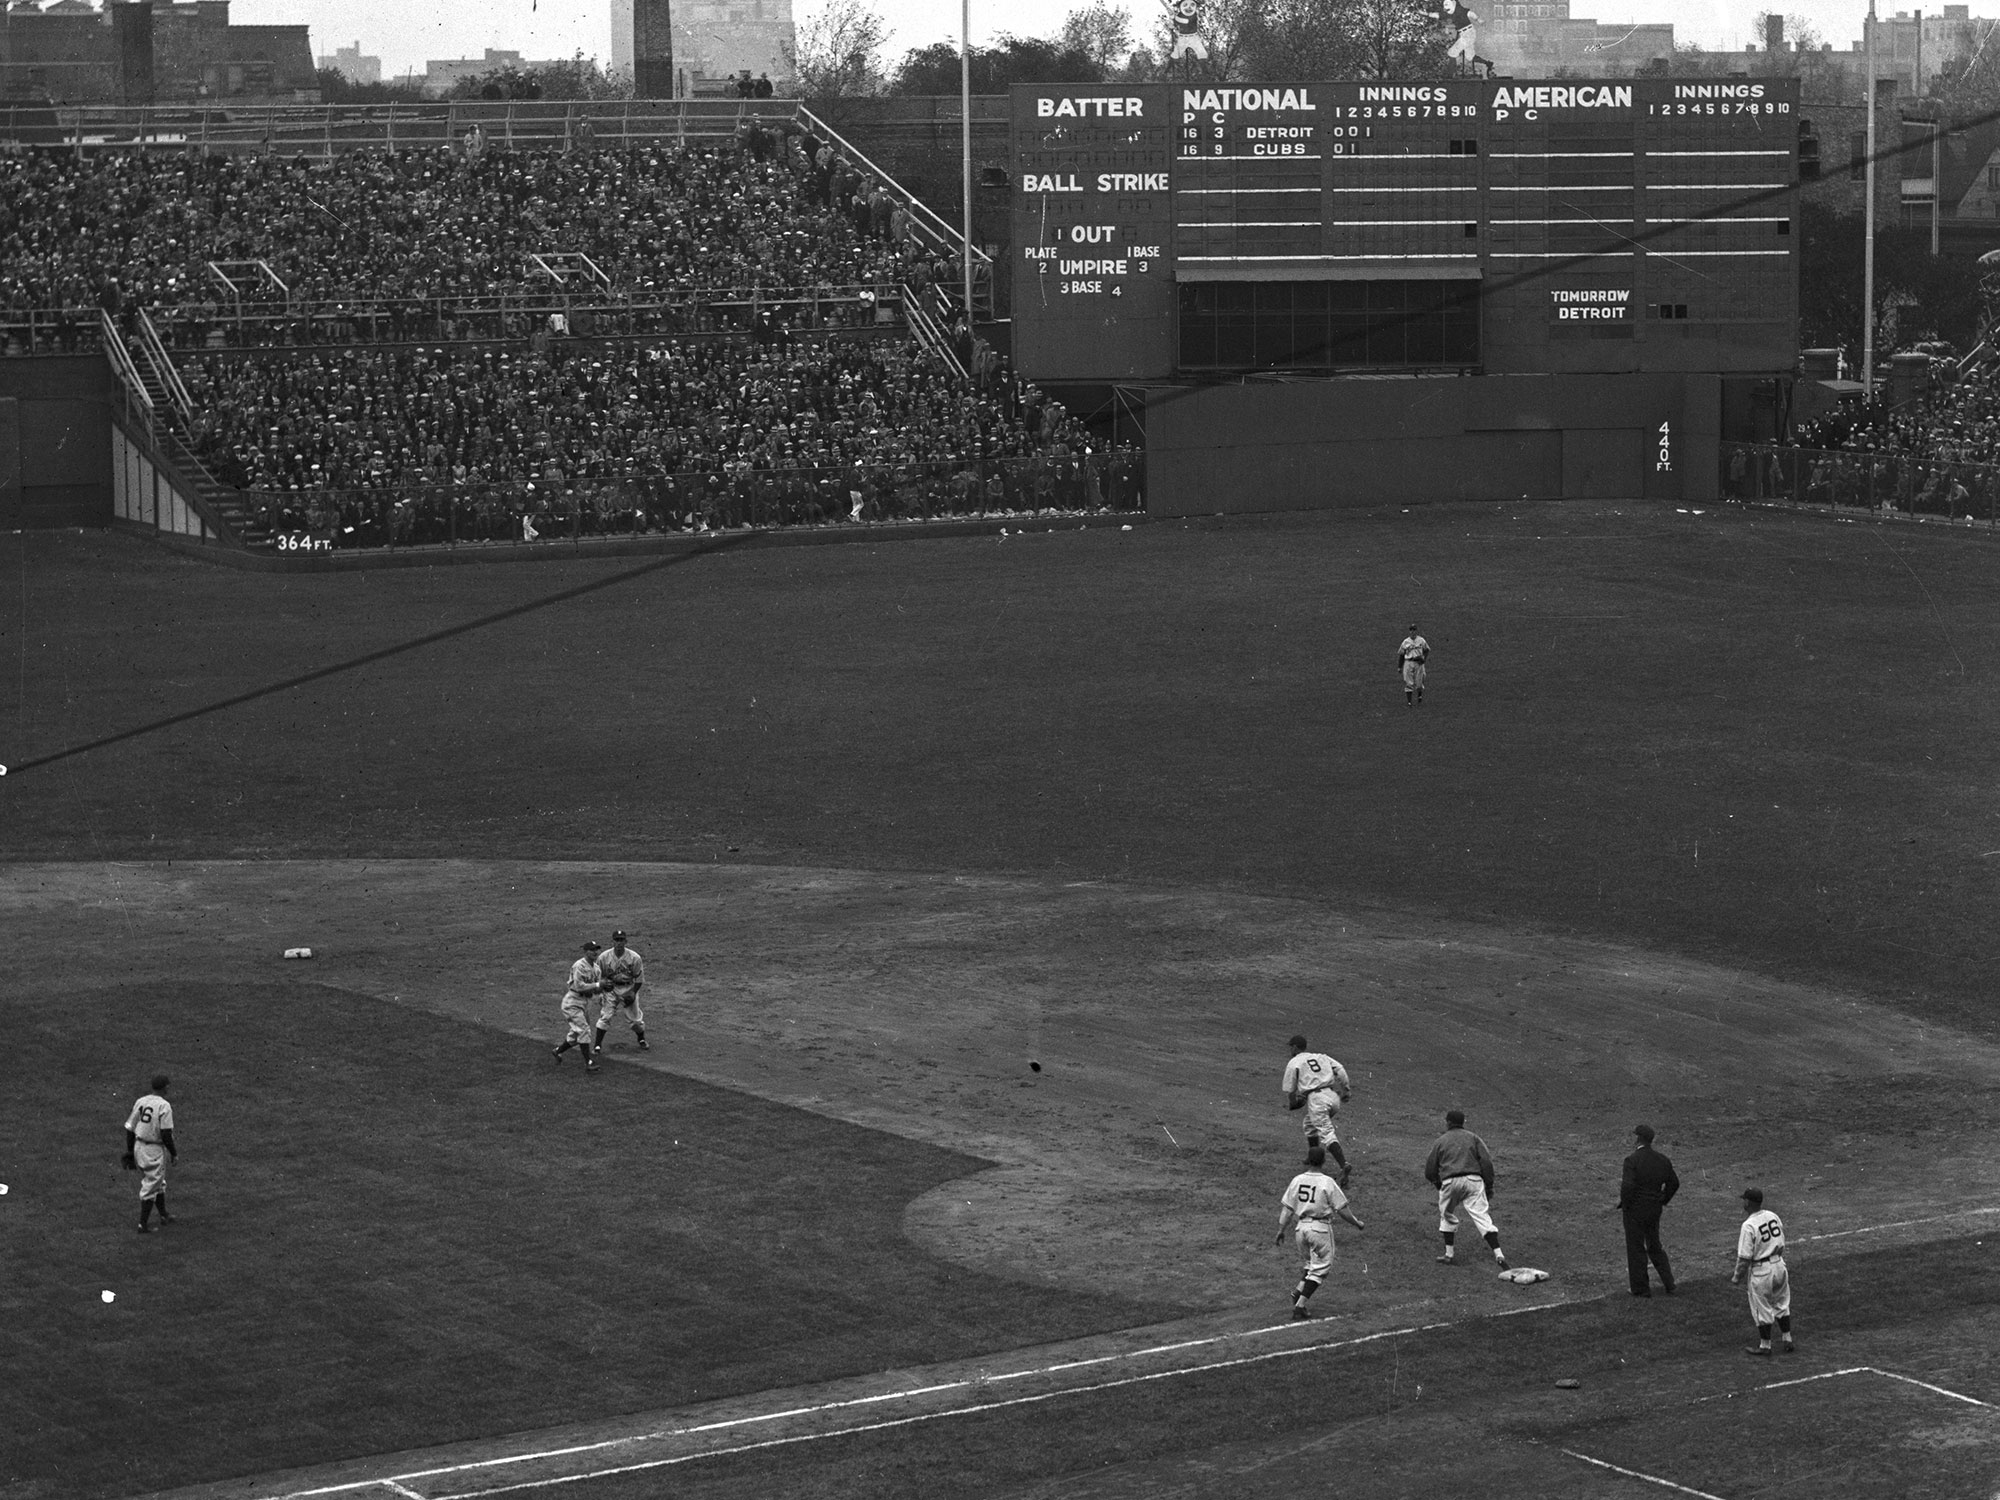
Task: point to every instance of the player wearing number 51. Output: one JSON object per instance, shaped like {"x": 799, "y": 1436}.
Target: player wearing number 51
{"x": 1760, "y": 1253}
{"x": 149, "y": 1145}
{"x": 1307, "y": 1207}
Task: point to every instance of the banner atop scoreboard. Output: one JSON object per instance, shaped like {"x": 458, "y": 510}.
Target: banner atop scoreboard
{"x": 1165, "y": 230}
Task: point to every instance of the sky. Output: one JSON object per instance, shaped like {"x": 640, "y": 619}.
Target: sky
{"x": 406, "y": 33}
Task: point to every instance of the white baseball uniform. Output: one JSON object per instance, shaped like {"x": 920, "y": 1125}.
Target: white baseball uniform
{"x": 1467, "y": 1193}
{"x": 1324, "y": 1083}
{"x": 150, "y": 1115}
{"x": 584, "y": 982}
{"x": 1313, "y": 1198}
{"x": 623, "y": 974}
{"x": 1413, "y": 651}
{"x": 1761, "y": 1241}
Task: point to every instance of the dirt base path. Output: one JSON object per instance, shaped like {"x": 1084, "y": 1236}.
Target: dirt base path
{"x": 1146, "y": 1154}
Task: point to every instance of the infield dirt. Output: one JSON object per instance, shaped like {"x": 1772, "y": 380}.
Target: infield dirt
{"x": 1148, "y": 1152}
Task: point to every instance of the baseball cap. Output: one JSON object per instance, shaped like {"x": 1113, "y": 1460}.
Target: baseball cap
{"x": 618, "y": 936}
{"x": 1454, "y": 1117}
{"x": 593, "y": 945}
{"x": 1753, "y": 1195}
{"x": 1644, "y": 1132}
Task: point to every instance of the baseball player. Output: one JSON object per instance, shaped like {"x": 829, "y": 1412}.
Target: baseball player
{"x": 624, "y": 975}
{"x": 1461, "y": 1169}
{"x": 1760, "y": 1251}
{"x": 1318, "y": 1085}
{"x": 584, "y": 982}
{"x": 149, "y": 1146}
{"x": 1410, "y": 659}
{"x": 1307, "y": 1205}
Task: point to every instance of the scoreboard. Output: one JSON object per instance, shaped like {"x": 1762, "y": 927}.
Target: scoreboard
{"x": 1476, "y": 224}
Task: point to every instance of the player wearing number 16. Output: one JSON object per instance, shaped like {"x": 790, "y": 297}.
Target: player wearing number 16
{"x": 1307, "y": 1207}
{"x": 149, "y": 1145}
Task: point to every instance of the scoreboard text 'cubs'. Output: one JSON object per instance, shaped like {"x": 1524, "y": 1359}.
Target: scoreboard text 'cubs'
{"x": 1486, "y": 226}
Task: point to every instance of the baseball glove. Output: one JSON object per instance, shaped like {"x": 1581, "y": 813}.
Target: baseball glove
{"x": 1297, "y": 1101}
{"x": 129, "y": 1162}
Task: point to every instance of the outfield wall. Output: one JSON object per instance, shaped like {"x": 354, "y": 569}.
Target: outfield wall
{"x": 56, "y": 447}
{"x": 1331, "y": 444}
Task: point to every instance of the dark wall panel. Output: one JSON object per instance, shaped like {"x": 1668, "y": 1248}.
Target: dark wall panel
{"x": 65, "y": 438}
{"x": 1348, "y": 443}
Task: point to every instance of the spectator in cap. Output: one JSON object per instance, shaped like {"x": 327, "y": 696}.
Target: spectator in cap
{"x": 1648, "y": 1186}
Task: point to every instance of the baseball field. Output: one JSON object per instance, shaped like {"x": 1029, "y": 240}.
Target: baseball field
{"x": 980, "y": 882}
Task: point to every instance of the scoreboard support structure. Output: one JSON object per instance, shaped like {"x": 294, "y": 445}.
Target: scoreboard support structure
{"x": 1542, "y": 287}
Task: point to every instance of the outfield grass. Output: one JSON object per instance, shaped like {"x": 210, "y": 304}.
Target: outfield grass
{"x": 1770, "y": 740}
{"x": 397, "y": 1230}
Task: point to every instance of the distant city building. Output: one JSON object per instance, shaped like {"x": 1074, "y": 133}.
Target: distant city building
{"x": 712, "y": 42}
{"x": 440, "y": 74}
{"x": 1534, "y": 39}
{"x": 351, "y": 65}
{"x": 143, "y": 52}
{"x": 1914, "y": 48}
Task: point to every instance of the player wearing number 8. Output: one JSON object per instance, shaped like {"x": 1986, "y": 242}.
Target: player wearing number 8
{"x": 1318, "y": 1085}
{"x": 1307, "y": 1206}
{"x": 1760, "y": 1254}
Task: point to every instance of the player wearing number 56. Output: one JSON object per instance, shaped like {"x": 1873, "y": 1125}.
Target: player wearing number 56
{"x": 1307, "y": 1206}
{"x": 1760, "y": 1255}
{"x": 149, "y": 1145}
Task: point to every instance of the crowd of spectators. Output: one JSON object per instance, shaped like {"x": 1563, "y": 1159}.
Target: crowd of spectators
{"x": 1932, "y": 455}
{"x": 684, "y": 433}
{"x": 772, "y": 211}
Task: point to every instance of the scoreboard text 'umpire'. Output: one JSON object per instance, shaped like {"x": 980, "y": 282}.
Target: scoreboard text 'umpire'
{"x": 1488, "y": 226}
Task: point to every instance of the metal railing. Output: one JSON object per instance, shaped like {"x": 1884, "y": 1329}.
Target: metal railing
{"x": 362, "y": 320}
{"x": 162, "y": 364}
{"x": 708, "y": 501}
{"x": 322, "y": 131}
{"x": 930, "y": 332}
{"x": 49, "y": 330}
{"x": 1886, "y": 483}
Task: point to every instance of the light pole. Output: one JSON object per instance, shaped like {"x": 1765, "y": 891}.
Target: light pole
{"x": 1868, "y": 219}
{"x": 965, "y": 134}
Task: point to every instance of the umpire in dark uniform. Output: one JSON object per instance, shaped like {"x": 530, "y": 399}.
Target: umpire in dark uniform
{"x": 1648, "y": 1187}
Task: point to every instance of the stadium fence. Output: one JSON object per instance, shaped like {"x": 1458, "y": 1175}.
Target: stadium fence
{"x": 1892, "y": 483}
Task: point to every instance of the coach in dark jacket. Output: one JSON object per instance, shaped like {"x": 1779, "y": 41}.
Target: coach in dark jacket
{"x": 1648, "y": 1187}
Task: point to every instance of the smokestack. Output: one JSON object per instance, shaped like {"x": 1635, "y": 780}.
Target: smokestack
{"x": 1774, "y": 33}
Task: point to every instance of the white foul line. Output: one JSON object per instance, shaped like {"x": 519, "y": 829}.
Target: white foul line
{"x": 1635, "y": 1474}
{"x": 859, "y": 1401}
{"x": 1926, "y": 1385}
{"x": 1779, "y": 1385}
{"x": 1837, "y": 1234}
{"x": 962, "y": 1411}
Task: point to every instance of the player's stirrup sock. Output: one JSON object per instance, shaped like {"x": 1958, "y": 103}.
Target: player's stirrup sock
{"x": 1302, "y": 1293}
{"x": 639, "y": 1032}
{"x": 598, "y": 1042}
{"x": 1450, "y": 1247}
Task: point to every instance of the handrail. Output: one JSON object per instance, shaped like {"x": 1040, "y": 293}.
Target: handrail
{"x": 937, "y": 227}
{"x": 163, "y": 366}
{"x": 924, "y": 325}
{"x": 126, "y": 371}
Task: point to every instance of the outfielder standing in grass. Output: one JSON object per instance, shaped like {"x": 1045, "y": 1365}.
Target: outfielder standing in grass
{"x": 1318, "y": 1085}
{"x": 584, "y": 982}
{"x": 1410, "y": 659}
{"x": 1309, "y": 1202}
{"x": 624, "y": 975}
{"x": 1461, "y": 1169}
{"x": 1760, "y": 1251}
{"x": 149, "y": 1145}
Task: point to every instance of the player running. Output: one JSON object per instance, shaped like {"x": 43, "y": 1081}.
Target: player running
{"x": 1318, "y": 1085}
{"x": 584, "y": 982}
{"x": 1309, "y": 1202}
